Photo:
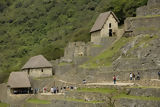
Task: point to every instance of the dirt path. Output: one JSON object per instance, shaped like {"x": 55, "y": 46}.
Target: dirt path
{"x": 111, "y": 83}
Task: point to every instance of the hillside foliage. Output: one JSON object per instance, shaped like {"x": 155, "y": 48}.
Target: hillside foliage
{"x": 31, "y": 27}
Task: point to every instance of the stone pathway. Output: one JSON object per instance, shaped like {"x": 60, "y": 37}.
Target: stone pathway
{"x": 111, "y": 83}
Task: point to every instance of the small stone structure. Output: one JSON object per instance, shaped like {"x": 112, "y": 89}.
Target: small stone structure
{"x": 106, "y": 25}
{"x": 38, "y": 66}
{"x": 147, "y": 20}
{"x": 74, "y": 49}
{"x": 18, "y": 83}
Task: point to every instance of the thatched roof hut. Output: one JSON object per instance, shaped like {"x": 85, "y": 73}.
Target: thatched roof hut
{"x": 100, "y": 21}
{"x": 19, "y": 80}
{"x": 37, "y": 62}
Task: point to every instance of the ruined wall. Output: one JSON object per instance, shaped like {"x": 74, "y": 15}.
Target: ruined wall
{"x": 143, "y": 25}
{"x": 74, "y": 49}
{"x": 40, "y": 72}
{"x": 3, "y": 92}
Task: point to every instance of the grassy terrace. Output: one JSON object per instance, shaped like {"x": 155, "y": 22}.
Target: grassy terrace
{"x": 96, "y": 90}
{"x": 38, "y": 101}
{"x": 138, "y": 97}
{"x": 3, "y": 104}
{"x": 105, "y": 58}
{"x": 118, "y": 95}
{"x": 81, "y": 100}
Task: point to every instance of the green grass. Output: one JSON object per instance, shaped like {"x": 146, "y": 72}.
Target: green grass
{"x": 138, "y": 97}
{"x": 143, "y": 42}
{"x": 63, "y": 63}
{"x": 3, "y": 104}
{"x": 96, "y": 90}
{"x": 106, "y": 58}
{"x": 81, "y": 100}
{"x": 38, "y": 101}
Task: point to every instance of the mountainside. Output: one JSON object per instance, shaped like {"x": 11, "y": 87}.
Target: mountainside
{"x": 31, "y": 27}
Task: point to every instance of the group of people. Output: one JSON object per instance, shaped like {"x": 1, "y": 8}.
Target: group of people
{"x": 61, "y": 89}
{"x": 134, "y": 77}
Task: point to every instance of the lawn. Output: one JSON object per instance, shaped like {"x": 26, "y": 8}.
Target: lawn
{"x": 81, "y": 100}
{"x": 96, "y": 90}
{"x": 138, "y": 97}
{"x": 38, "y": 101}
{"x": 3, "y": 104}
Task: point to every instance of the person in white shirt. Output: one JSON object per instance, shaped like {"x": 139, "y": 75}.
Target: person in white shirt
{"x": 130, "y": 76}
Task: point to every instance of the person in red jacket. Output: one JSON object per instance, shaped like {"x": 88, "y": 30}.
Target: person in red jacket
{"x": 114, "y": 79}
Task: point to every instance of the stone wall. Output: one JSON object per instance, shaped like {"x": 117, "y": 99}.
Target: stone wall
{"x": 74, "y": 49}
{"x": 153, "y": 92}
{"x": 143, "y": 25}
{"x": 40, "y": 72}
{"x": 96, "y": 38}
{"x": 152, "y": 8}
{"x": 136, "y": 103}
{"x": 3, "y": 92}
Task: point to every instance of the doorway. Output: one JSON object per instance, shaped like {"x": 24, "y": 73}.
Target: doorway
{"x": 110, "y": 32}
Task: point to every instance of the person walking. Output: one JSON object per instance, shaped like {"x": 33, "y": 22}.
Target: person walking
{"x": 134, "y": 76}
{"x": 114, "y": 79}
{"x": 138, "y": 76}
{"x": 159, "y": 74}
{"x": 130, "y": 75}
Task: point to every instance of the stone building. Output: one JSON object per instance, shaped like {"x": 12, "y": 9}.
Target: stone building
{"x": 106, "y": 25}
{"x": 19, "y": 83}
{"x": 38, "y": 66}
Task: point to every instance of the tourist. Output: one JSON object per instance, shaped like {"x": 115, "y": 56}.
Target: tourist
{"x": 138, "y": 76}
{"x": 130, "y": 76}
{"x": 52, "y": 90}
{"x": 84, "y": 81}
{"x": 114, "y": 79}
{"x": 134, "y": 76}
{"x": 159, "y": 74}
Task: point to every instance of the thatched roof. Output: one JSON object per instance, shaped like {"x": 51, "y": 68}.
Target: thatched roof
{"x": 19, "y": 80}
{"x": 101, "y": 21}
{"x": 37, "y": 62}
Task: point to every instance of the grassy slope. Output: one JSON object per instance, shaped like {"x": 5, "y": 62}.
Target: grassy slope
{"x": 105, "y": 58}
{"x": 31, "y": 27}
{"x": 3, "y": 105}
{"x": 38, "y": 101}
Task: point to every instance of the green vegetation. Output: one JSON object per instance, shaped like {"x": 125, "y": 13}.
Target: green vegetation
{"x": 138, "y": 97}
{"x": 64, "y": 63}
{"x": 106, "y": 58}
{"x": 80, "y": 100}
{"x": 31, "y": 27}
{"x": 38, "y": 101}
{"x": 142, "y": 42}
{"x": 3, "y": 104}
{"x": 96, "y": 90}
